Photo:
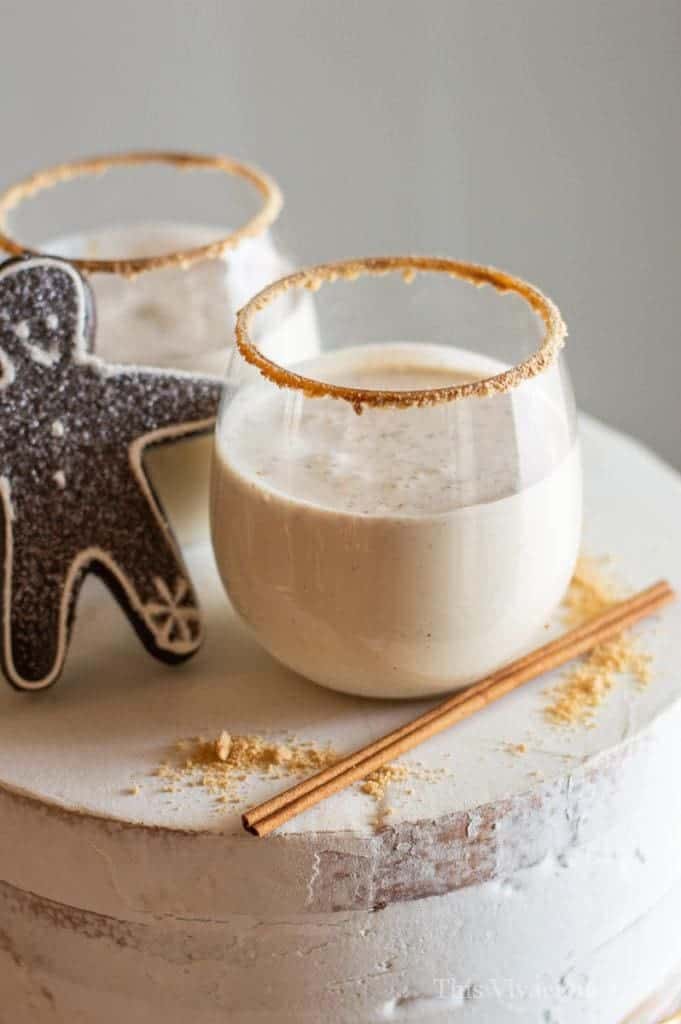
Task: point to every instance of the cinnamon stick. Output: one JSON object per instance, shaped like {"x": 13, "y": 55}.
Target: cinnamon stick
{"x": 266, "y": 817}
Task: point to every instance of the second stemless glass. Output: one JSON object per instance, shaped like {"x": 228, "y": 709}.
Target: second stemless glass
{"x": 173, "y": 244}
{"x": 401, "y": 514}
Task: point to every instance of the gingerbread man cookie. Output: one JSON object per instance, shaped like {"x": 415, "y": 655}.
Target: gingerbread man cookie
{"x": 74, "y": 494}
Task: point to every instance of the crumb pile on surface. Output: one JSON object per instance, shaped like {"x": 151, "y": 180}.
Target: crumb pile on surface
{"x": 517, "y": 749}
{"x": 584, "y": 687}
{"x": 218, "y": 765}
{"x": 377, "y": 782}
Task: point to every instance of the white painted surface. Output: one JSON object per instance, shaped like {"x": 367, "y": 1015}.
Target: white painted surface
{"x": 117, "y": 710}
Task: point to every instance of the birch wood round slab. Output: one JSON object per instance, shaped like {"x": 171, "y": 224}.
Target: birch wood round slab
{"x": 80, "y": 855}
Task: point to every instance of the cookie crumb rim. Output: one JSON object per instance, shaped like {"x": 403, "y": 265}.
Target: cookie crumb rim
{"x": 40, "y": 181}
{"x": 312, "y": 278}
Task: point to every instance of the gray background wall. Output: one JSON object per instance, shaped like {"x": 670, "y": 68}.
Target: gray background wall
{"x": 540, "y": 135}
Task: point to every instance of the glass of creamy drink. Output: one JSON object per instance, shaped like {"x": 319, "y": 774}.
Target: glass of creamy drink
{"x": 399, "y": 515}
{"x": 173, "y": 245}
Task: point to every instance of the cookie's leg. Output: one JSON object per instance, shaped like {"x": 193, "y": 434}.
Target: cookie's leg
{"x": 148, "y": 576}
{"x": 36, "y": 614}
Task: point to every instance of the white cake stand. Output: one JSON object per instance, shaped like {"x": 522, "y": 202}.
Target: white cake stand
{"x": 551, "y": 880}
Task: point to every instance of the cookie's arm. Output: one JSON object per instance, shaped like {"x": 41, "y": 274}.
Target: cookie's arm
{"x": 181, "y": 404}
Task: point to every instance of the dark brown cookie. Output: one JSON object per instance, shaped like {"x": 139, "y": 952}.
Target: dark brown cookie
{"x": 75, "y": 496}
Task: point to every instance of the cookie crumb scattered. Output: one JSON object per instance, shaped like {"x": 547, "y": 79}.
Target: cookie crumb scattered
{"x": 584, "y": 688}
{"x": 223, "y": 745}
{"x": 220, "y": 765}
{"x": 377, "y": 782}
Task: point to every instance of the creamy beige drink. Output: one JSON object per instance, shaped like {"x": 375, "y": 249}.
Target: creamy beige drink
{"x": 370, "y": 552}
{"x": 184, "y": 318}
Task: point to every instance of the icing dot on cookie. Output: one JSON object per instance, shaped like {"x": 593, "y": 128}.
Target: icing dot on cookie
{"x": 22, "y": 331}
{"x": 52, "y": 321}
{"x": 57, "y": 428}
{"x": 60, "y": 479}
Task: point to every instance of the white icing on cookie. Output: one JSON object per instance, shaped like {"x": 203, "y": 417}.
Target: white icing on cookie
{"x": 8, "y": 371}
{"x": 42, "y": 356}
{"x": 171, "y": 614}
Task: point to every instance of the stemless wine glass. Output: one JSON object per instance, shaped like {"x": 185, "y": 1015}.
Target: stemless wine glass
{"x": 174, "y": 244}
{"x": 400, "y": 514}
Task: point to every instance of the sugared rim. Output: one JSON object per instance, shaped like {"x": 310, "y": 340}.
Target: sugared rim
{"x": 49, "y": 177}
{"x": 312, "y": 278}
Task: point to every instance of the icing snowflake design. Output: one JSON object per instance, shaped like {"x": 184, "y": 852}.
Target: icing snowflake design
{"x": 74, "y": 494}
{"x": 173, "y": 614}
